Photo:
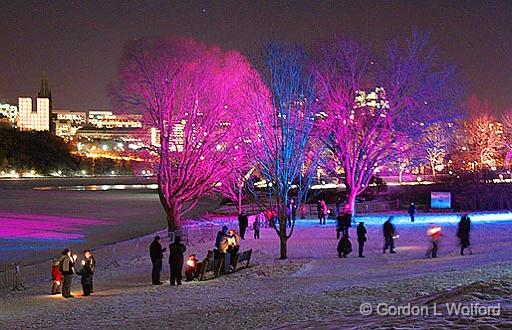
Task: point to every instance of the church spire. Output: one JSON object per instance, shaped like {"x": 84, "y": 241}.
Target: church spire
{"x": 45, "y": 89}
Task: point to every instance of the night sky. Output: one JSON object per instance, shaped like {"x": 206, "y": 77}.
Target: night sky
{"x": 79, "y": 42}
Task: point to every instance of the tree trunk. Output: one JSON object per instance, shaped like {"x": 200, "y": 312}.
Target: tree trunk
{"x": 283, "y": 240}
{"x": 400, "y": 172}
{"x": 351, "y": 202}
{"x": 432, "y": 165}
{"x": 281, "y": 211}
{"x": 174, "y": 225}
{"x": 240, "y": 197}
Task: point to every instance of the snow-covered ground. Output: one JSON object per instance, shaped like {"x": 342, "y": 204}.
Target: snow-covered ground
{"x": 312, "y": 289}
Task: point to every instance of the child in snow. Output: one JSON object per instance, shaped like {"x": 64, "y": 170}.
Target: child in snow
{"x": 56, "y": 277}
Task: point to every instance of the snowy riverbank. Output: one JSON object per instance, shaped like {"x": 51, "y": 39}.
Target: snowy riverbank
{"x": 313, "y": 289}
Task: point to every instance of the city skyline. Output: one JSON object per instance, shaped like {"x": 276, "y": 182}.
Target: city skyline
{"x": 79, "y": 44}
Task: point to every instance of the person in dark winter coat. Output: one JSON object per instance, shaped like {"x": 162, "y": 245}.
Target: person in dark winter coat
{"x": 243, "y": 223}
{"x": 87, "y": 272}
{"x": 412, "y": 211}
{"x": 463, "y": 234}
{"x": 343, "y": 222}
{"x": 176, "y": 257}
{"x": 344, "y": 247}
{"x": 156, "y": 253}
{"x": 389, "y": 236}
{"x": 67, "y": 267}
{"x": 361, "y": 238}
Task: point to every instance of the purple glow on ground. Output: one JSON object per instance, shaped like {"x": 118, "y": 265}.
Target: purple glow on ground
{"x": 14, "y": 225}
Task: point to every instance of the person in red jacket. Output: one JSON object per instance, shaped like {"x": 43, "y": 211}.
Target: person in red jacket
{"x": 56, "y": 277}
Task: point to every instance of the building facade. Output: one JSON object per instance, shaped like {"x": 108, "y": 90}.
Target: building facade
{"x": 37, "y": 119}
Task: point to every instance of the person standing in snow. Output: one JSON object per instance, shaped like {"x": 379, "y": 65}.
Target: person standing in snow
{"x": 56, "y": 277}
{"x": 176, "y": 257}
{"x": 260, "y": 218}
{"x": 323, "y": 212}
{"x": 156, "y": 253}
{"x": 291, "y": 212}
{"x": 67, "y": 267}
{"x": 463, "y": 234}
{"x": 412, "y": 211}
{"x": 243, "y": 223}
{"x": 87, "y": 272}
{"x": 388, "y": 229}
{"x": 361, "y": 238}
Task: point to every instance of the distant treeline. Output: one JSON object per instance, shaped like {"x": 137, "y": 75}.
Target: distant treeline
{"x": 44, "y": 153}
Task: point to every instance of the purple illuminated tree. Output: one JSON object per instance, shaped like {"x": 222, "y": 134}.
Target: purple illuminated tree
{"x": 282, "y": 150}
{"x": 192, "y": 94}
{"x": 375, "y": 106}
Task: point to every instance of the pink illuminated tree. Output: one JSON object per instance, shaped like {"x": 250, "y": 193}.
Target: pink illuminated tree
{"x": 373, "y": 106}
{"x": 192, "y": 94}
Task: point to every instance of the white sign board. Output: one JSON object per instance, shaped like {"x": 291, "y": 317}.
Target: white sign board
{"x": 440, "y": 200}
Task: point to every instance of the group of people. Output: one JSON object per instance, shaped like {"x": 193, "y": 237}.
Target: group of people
{"x": 64, "y": 268}
{"x": 344, "y": 222}
{"x": 176, "y": 258}
{"x": 227, "y": 245}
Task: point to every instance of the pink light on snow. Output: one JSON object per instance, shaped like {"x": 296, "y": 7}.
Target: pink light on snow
{"x": 15, "y": 225}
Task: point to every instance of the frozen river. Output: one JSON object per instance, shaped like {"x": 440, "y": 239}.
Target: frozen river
{"x": 39, "y": 218}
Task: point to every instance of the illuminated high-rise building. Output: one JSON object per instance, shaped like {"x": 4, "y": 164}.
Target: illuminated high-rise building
{"x": 28, "y": 119}
{"x": 45, "y": 92}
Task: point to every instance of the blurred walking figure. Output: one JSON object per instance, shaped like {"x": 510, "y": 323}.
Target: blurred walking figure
{"x": 361, "y": 238}
{"x": 56, "y": 277}
{"x": 156, "y": 253}
{"x": 388, "y": 229}
{"x": 344, "y": 247}
{"x": 412, "y": 211}
{"x": 463, "y": 234}
{"x": 67, "y": 267}
{"x": 434, "y": 232}
{"x": 243, "y": 223}
{"x": 176, "y": 257}
{"x": 87, "y": 272}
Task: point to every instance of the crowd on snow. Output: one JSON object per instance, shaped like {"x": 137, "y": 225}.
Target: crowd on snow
{"x": 227, "y": 245}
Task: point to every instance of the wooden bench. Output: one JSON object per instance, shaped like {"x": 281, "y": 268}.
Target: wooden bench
{"x": 242, "y": 257}
{"x": 215, "y": 266}
{"x": 211, "y": 265}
